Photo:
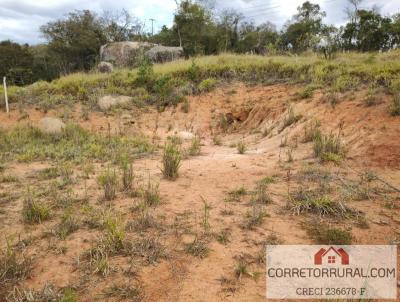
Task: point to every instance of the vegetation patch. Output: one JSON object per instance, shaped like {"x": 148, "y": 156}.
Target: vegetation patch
{"x": 13, "y": 267}
{"x": 34, "y": 211}
{"x": 328, "y": 147}
{"x": 171, "y": 161}
{"x": 324, "y": 234}
{"x": 27, "y": 144}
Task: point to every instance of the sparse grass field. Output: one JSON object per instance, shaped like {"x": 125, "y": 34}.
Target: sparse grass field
{"x": 138, "y": 202}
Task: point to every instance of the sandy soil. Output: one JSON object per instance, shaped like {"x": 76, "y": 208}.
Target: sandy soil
{"x": 371, "y": 139}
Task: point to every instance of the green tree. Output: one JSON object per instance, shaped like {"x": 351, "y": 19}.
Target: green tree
{"x": 195, "y": 28}
{"x": 370, "y": 32}
{"x": 16, "y": 63}
{"x": 75, "y": 41}
{"x": 302, "y": 33}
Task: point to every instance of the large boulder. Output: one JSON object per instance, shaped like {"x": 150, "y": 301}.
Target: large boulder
{"x": 105, "y": 67}
{"x": 124, "y": 53}
{"x": 161, "y": 54}
{"x": 108, "y": 101}
{"x": 51, "y": 125}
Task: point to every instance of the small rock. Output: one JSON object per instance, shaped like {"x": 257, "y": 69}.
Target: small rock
{"x": 51, "y": 125}
{"x": 380, "y": 222}
{"x": 105, "y": 67}
{"x": 185, "y": 135}
{"x": 126, "y": 116}
{"x": 108, "y": 101}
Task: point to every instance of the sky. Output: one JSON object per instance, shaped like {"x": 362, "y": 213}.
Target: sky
{"x": 20, "y": 20}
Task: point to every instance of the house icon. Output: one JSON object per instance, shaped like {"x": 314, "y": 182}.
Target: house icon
{"x": 331, "y": 256}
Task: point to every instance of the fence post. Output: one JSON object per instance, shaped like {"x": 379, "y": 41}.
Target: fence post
{"x": 5, "y": 94}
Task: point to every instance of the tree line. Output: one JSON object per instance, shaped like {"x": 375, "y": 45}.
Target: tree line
{"x": 73, "y": 43}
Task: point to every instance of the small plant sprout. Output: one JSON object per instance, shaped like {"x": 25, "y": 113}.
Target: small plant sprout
{"x": 127, "y": 176}
{"x": 206, "y": 215}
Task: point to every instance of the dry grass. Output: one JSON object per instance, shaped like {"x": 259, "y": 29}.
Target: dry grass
{"x": 171, "y": 161}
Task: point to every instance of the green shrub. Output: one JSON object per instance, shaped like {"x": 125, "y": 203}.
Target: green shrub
{"x": 171, "y": 161}
{"x": 323, "y": 234}
{"x": 395, "y": 107}
{"x": 145, "y": 73}
{"x": 194, "y": 72}
{"x": 163, "y": 88}
{"x": 346, "y": 82}
{"x": 207, "y": 85}
{"x": 307, "y": 91}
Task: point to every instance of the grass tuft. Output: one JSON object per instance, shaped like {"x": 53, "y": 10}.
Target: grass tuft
{"x": 198, "y": 247}
{"x": 171, "y": 161}
{"x": 328, "y": 147}
{"x": 108, "y": 181}
{"x": 33, "y": 211}
{"x": 241, "y": 147}
{"x": 323, "y": 234}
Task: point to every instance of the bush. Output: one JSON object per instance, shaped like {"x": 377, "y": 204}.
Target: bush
{"x": 395, "y": 108}
{"x": 307, "y": 91}
{"x": 207, "y": 85}
{"x": 145, "y": 74}
{"x": 323, "y": 234}
{"x": 171, "y": 161}
{"x": 108, "y": 181}
{"x": 163, "y": 88}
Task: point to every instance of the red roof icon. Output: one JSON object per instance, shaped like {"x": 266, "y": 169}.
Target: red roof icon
{"x": 341, "y": 253}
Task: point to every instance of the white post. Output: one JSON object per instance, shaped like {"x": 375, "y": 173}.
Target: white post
{"x": 5, "y": 94}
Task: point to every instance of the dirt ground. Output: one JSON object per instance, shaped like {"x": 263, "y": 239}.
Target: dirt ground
{"x": 255, "y": 117}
